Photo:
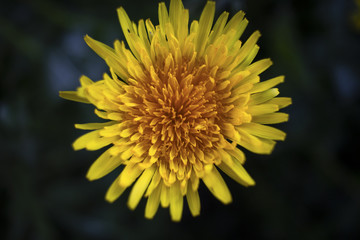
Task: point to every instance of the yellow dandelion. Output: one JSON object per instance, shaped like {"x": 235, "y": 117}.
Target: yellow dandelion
{"x": 180, "y": 103}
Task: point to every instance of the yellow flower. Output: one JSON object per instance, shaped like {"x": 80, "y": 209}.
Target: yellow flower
{"x": 180, "y": 102}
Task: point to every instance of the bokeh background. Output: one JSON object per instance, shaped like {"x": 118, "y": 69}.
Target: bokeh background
{"x": 309, "y": 188}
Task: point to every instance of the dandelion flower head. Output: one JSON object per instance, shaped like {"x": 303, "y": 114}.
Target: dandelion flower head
{"x": 180, "y": 104}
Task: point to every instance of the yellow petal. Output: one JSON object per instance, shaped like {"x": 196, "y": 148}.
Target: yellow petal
{"x": 193, "y": 29}
{"x": 218, "y": 27}
{"x": 260, "y": 109}
{"x": 193, "y": 200}
{"x": 118, "y": 67}
{"x": 262, "y": 97}
{"x": 281, "y": 101}
{"x": 100, "y": 143}
{"x": 82, "y": 141}
{"x": 114, "y": 191}
{"x": 247, "y": 48}
{"x": 152, "y": 203}
{"x": 153, "y": 149}
{"x": 225, "y": 157}
{"x": 140, "y": 186}
{"x": 143, "y": 36}
{"x": 255, "y": 144}
{"x": 237, "y": 154}
{"x": 93, "y": 126}
{"x": 72, "y": 96}
{"x": 135, "y": 137}
{"x": 101, "y": 114}
{"x": 110, "y": 131}
{"x": 194, "y": 181}
{"x": 176, "y": 202}
{"x": 183, "y": 186}
{"x": 251, "y": 79}
{"x": 101, "y": 49}
{"x": 259, "y": 66}
{"x": 163, "y": 17}
{"x": 85, "y": 81}
{"x": 217, "y": 186}
{"x": 154, "y": 183}
{"x": 248, "y": 59}
{"x": 205, "y": 24}
{"x": 115, "y": 116}
{"x": 175, "y": 15}
{"x": 165, "y": 196}
{"x": 140, "y": 148}
{"x": 129, "y": 174}
{"x": 128, "y": 30}
{"x": 108, "y": 54}
{"x": 271, "y": 118}
{"x": 113, "y": 82}
{"x": 103, "y": 165}
{"x": 127, "y": 153}
{"x": 199, "y": 154}
{"x": 184, "y": 26}
{"x": 237, "y": 172}
{"x": 236, "y": 26}
{"x": 263, "y": 86}
{"x": 263, "y": 131}
{"x": 126, "y": 132}
{"x": 150, "y": 29}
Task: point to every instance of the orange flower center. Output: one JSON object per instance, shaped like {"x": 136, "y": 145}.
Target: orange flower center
{"x": 177, "y": 114}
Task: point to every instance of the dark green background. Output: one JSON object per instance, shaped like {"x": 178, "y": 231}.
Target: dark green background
{"x": 309, "y": 188}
